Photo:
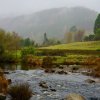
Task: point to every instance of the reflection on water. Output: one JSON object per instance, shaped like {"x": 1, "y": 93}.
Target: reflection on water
{"x": 16, "y": 66}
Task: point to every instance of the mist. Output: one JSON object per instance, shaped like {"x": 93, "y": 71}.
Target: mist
{"x": 10, "y": 8}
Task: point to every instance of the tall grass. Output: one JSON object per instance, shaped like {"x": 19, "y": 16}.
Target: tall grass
{"x": 20, "y": 92}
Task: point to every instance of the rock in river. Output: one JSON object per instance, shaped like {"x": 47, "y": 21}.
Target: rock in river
{"x": 89, "y": 81}
{"x": 43, "y": 84}
{"x": 74, "y": 96}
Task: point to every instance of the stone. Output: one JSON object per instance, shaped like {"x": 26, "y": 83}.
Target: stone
{"x": 49, "y": 71}
{"x": 43, "y": 84}
{"x": 62, "y": 72}
{"x": 54, "y": 90}
{"x": 90, "y": 81}
{"x": 9, "y": 81}
{"x": 74, "y": 96}
{"x": 61, "y": 67}
{"x": 6, "y": 72}
{"x": 2, "y": 96}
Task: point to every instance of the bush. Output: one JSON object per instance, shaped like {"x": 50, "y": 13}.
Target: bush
{"x": 47, "y": 62}
{"x": 96, "y": 69}
{"x": 3, "y": 83}
{"x": 8, "y": 57}
{"x": 30, "y": 59}
{"x": 20, "y": 92}
{"x": 27, "y": 51}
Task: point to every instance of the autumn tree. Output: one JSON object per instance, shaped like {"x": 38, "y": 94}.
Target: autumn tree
{"x": 74, "y": 35}
{"x": 79, "y": 35}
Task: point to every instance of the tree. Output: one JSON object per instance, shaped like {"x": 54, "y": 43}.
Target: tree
{"x": 97, "y": 25}
{"x": 74, "y": 35}
{"x": 73, "y": 29}
{"x": 45, "y": 41}
{"x": 86, "y": 38}
{"x": 79, "y": 35}
{"x": 89, "y": 38}
{"x": 27, "y": 42}
{"x": 97, "y": 35}
{"x": 14, "y": 43}
{"x": 27, "y": 51}
{"x": 1, "y": 50}
{"x": 69, "y": 37}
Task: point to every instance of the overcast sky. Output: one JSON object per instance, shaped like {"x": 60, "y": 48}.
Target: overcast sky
{"x": 20, "y": 7}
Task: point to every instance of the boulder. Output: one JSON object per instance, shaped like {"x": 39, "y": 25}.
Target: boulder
{"x": 61, "y": 67}
{"x": 62, "y": 72}
{"x": 9, "y": 81}
{"x": 74, "y": 96}
{"x": 43, "y": 84}
{"x": 53, "y": 90}
{"x": 49, "y": 71}
{"x": 89, "y": 81}
{"x": 6, "y": 72}
{"x": 2, "y": 96}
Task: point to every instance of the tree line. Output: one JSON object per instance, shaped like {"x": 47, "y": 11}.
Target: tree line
{"x": 12, "y": 41}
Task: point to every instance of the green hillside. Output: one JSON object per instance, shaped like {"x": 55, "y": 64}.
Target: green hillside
{"x": 94, "y": 45}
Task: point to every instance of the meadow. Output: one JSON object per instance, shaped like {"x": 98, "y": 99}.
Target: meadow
{"x": 94, "y": 45}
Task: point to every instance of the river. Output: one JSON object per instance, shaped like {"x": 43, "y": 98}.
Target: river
{"x": 58, "y": 85}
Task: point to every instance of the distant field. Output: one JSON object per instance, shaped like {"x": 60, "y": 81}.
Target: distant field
{"x": 94, "y": 45}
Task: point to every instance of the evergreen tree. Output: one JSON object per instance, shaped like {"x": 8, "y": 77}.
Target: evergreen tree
{"x": 97, "y": 25}
{"x": 46, "y": 41}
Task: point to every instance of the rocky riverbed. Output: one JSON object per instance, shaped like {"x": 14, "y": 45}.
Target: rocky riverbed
{"x": 53, "y": 86}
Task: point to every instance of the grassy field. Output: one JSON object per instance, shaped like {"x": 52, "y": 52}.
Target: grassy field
{"x": 94, "y": 45}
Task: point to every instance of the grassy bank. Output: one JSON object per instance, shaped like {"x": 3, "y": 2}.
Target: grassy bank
{"x": 94, "y": 45}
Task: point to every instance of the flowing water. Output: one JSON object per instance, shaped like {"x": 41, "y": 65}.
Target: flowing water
{"x": 61, "y": 84}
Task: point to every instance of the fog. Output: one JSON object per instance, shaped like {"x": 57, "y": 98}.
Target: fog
{"x": 20, "y": 7}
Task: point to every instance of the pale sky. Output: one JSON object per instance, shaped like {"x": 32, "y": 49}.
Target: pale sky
{"x": 20, "y": 7}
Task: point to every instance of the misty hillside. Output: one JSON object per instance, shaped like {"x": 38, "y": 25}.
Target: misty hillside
{"x": 53, "y": 21}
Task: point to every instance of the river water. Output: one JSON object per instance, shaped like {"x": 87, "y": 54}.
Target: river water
{"x": 62, "y": 84}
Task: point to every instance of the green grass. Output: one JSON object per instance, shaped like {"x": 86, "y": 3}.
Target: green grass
{"x": 94, "y": 45}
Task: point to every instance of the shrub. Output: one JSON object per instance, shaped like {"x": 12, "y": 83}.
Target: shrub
{"x": 47, "y": 62}
{"x": 96, "y": 69}
{"x": 20, "y": 92}
{"x": 27, "y": 51}
{"x": 30, "y": 59}
{"x": 8, "y": 57}
{"x": 3, "y": 83}
{"x": 2, "y": 97}
{"x": 90, "y": 60}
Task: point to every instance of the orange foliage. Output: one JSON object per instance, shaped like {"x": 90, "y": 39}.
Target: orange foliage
{"x": 90, "y": 61}
{"x": 3, "y": 83}
{"x": 30, "y": 59}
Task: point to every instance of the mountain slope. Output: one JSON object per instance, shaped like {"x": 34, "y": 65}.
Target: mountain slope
{"x": 53, "y": 21}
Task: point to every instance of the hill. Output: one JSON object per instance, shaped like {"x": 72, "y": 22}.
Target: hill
{"x": 94, "y": 45}
{"x": 53, "y": 21}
